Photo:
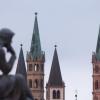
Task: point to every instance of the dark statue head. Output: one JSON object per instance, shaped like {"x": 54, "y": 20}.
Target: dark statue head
{"x": 6, "y": 39}
{"x": 6, "y": 36}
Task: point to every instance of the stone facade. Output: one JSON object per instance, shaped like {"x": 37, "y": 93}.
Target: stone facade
{"x": 96, "y": 71}
{"x": 35, "y": 65}
{"x": 35, "y": 78}
{"x": 96, "y": 78}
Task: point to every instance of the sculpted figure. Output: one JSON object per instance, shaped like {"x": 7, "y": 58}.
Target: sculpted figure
{"x": 12, "y": 87}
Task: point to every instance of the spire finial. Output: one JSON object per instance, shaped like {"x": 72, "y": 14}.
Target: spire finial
{"x": 21, "y": 45}
{"x": 55, "y": 46}
{"x": 36, "y": 13}
{"x": 75, "y": 94}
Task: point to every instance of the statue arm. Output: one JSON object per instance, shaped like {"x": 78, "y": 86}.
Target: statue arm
{"x": 12, "y": 59}
{"x": 11, "y": 62}
{"x": 22, "y": 84}
{"x": 4, "y": 65}
{"x": 27, "y": 91}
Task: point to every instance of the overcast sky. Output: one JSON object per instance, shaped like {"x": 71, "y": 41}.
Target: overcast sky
{"x": 71, "y": 24}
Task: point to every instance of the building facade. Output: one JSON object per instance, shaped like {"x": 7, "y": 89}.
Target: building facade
{"x": 35, "y": 59}
{"x": 96, "y": 71}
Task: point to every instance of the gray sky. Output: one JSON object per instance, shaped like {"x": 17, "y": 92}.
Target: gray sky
{"x": 71, "y": 24}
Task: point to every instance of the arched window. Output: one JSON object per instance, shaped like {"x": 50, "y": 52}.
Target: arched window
{"x": 30, "y": 67}
{"x": 96, "y": 84}
{"x": 36, "y": 83}
{"x": 36, "y": 67}
{"x": 58, "y": 94}
{"x": 54, "y": 94}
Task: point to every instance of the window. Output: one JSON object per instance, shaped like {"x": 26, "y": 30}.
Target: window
{"x": 96, "y": 84}
{"x": 30, "y": 83}
{"x": 36, "y": 67}
{"x": 36, "y": 83}
{"x": 42, "y": 67}
{"x": 41, "y": 83}
{"x": 41, "y": 98}
{"x": 95, "y": 98}
{"x": 47, "y": 94}
{"x": 96, "y": 69}
{"x": 54, "y": 94}
{"x": 58, "y": 94}
{"x": 30, "y": 67}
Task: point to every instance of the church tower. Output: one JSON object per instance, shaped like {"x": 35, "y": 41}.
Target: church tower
{"x": 21, "y": 68}
{"x": 35, "y": 65}
{"x": 55, "y": 88}
{"x": 96, "y": 70}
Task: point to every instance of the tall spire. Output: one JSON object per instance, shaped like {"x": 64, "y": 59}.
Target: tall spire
{"x": 55, "y": 78}
{"x": 21, "y": 68}
{"x": 98, "y": 46}
{"x": 35, "y": 49}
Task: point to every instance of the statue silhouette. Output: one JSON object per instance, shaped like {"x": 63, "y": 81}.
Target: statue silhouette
{"x": 12, "y": 87}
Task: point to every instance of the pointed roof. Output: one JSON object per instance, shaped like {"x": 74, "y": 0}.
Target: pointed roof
{"x": 55, "y": 78}
{"x": 98, "y": 46}
{"x": 35, "y": 49}
{"x": 21, "y": 68}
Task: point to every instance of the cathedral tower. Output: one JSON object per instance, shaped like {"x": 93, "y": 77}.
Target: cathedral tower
{"x": 35, "y": 65}
{"x": 96, "y": 71}
{"x": 55, "y": 88}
